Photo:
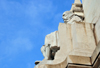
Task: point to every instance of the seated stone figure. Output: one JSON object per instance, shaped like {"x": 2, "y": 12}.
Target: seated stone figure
{"x": 69, "y": 17}
{"x": 45, "y": 49}
{"x": 48, "y": 52}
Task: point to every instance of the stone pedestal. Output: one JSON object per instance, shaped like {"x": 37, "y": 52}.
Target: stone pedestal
{"x": 78, "y": 42}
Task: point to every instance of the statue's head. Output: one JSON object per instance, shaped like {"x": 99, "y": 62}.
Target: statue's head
{"x": 67, "y": 16}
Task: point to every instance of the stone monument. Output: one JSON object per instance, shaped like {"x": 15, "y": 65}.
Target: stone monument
{"x": 76, "y": 44}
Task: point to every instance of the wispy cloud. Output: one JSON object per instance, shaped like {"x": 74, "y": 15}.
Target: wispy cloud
{"x": 21, "y": 23}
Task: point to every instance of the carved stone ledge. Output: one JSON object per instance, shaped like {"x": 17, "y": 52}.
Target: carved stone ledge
{"x": 95, "y": 60}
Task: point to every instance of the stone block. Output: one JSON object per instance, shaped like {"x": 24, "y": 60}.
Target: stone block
{"x": 74, "y": 59}
{"x": 82, "y": 36}
{"x": 78, "y": 66}
{"x": 52, "y": 39}
{"x": 83, "y": 43}
{"x": 97, "y": 31}
{"x": 91, "y": 10}
{"x": 95, "y": 53}
{"x": 65, "y": 40}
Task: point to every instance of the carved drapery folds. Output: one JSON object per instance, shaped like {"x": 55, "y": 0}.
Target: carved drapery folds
{"x": 51, "y": 46}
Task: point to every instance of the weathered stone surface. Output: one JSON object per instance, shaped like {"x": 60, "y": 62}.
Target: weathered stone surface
{"x": 51, "y": 46}
{"x": 76, "y": 42}
{"x": 79, "y": 59}
{"x": 91, "y": 10}
{"x": 95, "y": 53}
{"x": 92, "y": 15}
{"x": 52, "y": 39}
{"x": 79, "y": 13}
{"x": 78, "y": 66}
{"x": 77, "y": 9}
{"x": 97, "y": 32}
{"x": 69, "y": 17}
{"x": 65, "y": 42}
{"x": 83, "y": 37}
{"x": 45, "y": 49}
{"x": 97, "y": 63}
{"x": 79, "y": 42}
{"x": 77, "y": 2}
{"x": 83, "y": 43}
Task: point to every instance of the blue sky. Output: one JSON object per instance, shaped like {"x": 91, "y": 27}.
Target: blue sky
{"x": 23, "y": 27}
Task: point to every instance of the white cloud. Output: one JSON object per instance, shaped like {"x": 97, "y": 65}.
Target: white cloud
{"x": 35, "y": 11}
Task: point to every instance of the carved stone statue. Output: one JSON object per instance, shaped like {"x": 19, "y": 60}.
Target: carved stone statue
{"x": 69, "y": 17}
{"x": 45, "y": 49}
{"x": 48, "y": 52}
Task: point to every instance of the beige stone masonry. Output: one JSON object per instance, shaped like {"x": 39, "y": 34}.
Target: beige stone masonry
{"x": 83, "y": 43}
{"x": 52, "y": 39}
{"x": 76, "y": 42}
{"x": 77, "y": 8}
{"x": 95, "y": 53}
{"x": 77, "y": 2}
{"x": 79, "y": 42}
{"x": 92, "y": 15}
{"x": 82, "y": 36}
{"x": 65, "y": 40}
{"x": 97, "y": 31}
{"x": 91, "y": 10}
